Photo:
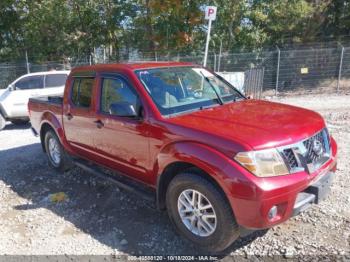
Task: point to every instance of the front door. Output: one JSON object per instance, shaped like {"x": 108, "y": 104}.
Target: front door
{"x": 17, "y": 100}
{"x": 121, "y": 141}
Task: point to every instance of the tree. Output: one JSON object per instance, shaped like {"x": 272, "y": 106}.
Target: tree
{"x": 337, "y": 19}
{"x": 54, "y": 29}
{"x": 10, "y": 26}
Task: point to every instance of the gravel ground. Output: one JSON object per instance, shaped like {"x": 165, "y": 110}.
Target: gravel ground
{"x": 97, "y": 218}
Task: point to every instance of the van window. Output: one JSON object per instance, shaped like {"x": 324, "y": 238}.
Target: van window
{"x": 82, "y": 92}
{"x": 30, "y": 82}
{"x": 55, "y": 80}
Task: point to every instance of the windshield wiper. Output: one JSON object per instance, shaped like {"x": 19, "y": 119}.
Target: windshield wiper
{"x": 211, "y": 85}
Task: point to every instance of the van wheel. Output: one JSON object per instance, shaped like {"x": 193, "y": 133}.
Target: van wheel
{"x": 200, "y": 212}
{"x": 2, "y": 122}
{"x": 57, "y": 157}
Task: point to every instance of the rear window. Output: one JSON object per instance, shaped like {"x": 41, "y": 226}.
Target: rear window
{"x": 82, "y": 92}
{"x": 55, "y": 80}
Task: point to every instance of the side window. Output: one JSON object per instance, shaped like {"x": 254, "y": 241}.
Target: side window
{"x": 115, "y": 91}
{"x": 30, "y": 82}
{"x": 82, "y": 91}
{"x": 55, "y": 80}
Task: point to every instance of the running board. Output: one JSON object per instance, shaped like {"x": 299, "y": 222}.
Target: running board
{"x": 119, "y": 180}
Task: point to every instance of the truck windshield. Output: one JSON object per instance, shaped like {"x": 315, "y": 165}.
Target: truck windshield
{"x": 181, "y": 89}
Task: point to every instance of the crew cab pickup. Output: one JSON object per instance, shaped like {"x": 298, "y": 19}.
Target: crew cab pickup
{"x": 217, "y": 161}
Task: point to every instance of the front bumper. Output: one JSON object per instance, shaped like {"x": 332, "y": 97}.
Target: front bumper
{"x": 252, "y": 198}
{"x": 315, "y": 193}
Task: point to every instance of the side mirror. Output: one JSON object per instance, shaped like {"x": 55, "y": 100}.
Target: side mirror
{"x": 11, "y": 87}
{"x": 124, "y": 109}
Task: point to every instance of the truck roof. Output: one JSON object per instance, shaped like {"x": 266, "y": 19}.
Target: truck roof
{"x": 131, "y": 66}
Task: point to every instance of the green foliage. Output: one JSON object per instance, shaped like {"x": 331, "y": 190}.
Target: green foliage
{"x": 57, "y": 29}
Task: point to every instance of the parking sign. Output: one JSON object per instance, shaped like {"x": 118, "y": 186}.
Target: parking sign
{"x": 210, "y": 13}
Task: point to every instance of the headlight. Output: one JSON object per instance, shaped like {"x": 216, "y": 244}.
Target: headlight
{"x": 264, "y": 163}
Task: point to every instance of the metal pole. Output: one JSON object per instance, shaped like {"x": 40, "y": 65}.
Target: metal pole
{"x": 27, "y": 63}
{"x": 215, "y": 62}
{"x": 262, "y": 82}
{"x": 249, "y": 83}
{"x": 207, "y": 44}
{"x": 256, "y": 84}
{"x": 104, "y": 55}
{"x": 340, "y": 68}
{"x": 219, "y": 62}
{"x": 278, "y": 69}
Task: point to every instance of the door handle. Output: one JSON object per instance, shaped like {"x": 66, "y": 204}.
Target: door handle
{"x": 99, "y": 123}
{"x": 69, "y": 116}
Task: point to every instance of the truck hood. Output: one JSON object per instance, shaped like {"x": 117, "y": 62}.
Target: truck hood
{"x": 256, "y": 123}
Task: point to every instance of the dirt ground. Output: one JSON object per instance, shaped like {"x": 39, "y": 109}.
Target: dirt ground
{"x": 96, "y": 218}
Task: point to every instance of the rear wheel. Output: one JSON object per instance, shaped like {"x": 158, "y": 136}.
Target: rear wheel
{"x": 57, "y": 157}
{"x": 2, "y": 122}
{"x": 200, "y": 212}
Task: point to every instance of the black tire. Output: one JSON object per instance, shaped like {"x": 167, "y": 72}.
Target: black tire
{"x": 2, "y": 122}
{"x": 226, "y": 231}
{"x": 19, "y": 122}
{"x": 64, "y": 163}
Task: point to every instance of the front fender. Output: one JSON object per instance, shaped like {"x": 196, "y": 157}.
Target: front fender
{"x": 208, "y": 159}
{"x": 3, "y": 111}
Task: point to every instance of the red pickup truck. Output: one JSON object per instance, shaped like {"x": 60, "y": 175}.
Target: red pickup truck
{"x": 177, "y": 133}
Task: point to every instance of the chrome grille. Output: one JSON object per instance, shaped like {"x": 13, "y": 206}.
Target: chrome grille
{"x": 312, "y": 156}
{"x": 309, "y": 154}
{"x": 290, "y": 157}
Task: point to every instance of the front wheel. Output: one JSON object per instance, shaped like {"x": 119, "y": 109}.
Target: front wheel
{"x": 57, "y": 157}
{"x": 200, "y": 212}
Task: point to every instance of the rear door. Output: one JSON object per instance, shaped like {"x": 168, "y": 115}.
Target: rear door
{"x": 78, "y": 116}
{"x": 54, "y": 84}
{"x": 27, "y": 87}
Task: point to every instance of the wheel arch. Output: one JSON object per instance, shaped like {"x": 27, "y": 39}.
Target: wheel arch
{"x": 176, "y": 168}
{"x": 50, "y": 122}
{"x": 195, "y": 158}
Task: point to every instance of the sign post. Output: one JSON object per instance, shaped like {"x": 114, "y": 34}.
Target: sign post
{"x": 210, "y": 14}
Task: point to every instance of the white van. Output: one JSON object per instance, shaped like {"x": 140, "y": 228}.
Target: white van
{"x": 14, "y": 99}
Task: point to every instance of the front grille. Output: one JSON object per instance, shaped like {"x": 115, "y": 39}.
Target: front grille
{"x": 312, "y": 155}
{"x": 290, "y": 158}
{"x": 309, "y": 154}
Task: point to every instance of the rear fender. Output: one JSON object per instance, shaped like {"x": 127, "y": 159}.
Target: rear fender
{"x": 50, "y": 119}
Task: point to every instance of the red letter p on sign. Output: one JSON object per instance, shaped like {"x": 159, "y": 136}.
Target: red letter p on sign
{"x": 210, "y": 13}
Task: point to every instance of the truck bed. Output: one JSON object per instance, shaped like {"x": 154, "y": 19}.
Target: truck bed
{"x": 42, "y": 107}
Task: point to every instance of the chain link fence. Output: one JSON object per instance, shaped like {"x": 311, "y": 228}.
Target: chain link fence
{"x": 308, "y": 69}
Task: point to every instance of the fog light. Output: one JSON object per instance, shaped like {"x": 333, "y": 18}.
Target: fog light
{"x": 273, "y": 212}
